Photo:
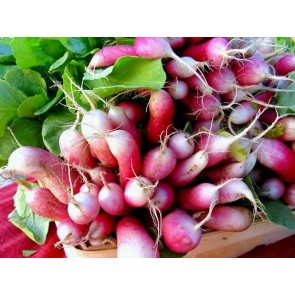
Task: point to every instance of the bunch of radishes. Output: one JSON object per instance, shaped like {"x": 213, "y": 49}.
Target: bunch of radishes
{"x": 156, "y": 170}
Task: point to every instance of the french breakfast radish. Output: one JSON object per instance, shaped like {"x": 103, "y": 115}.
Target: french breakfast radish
{"x": 182, "y": 145}
{"x": 178, "y": 89}
{"x": 135, "y": 111}
{"x": 272, "y": 188}
{"x": 164, "y": 196}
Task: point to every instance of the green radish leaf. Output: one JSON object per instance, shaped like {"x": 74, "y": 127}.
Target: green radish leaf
{"x": 166, "y": 253}
{"x": 10, "y": 100}
{"x": 28, "y": 81}
{"x": 53, "y": 126}
{"x": 276, "y": 131}
{"x": 26, "y": 132}
{"x": 33, "y": 225}
{"x": 77, "y": 45}
{"x": 28, "y": 253}
{"x": 125, "y": 40}
{"x": 127, "y": 74}
{"x": 28, "y": 108}
{"x": 61, "y": 62}
{"x": 277, "y": 212}
{"x": 6, "y": 54}
{"x": 52, "y": 47}
{"x": 287, "y": 99}
{"x": 4, "y": 69}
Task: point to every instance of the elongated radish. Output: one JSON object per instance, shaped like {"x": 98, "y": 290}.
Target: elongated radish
{"x": 289, "y": 195}
{"x": 195, "y": 84}
{"x": 272, "y": 188}
{"x": 288, "y": 126}
{"x": 180, "y": 231}
{"x": 107, "y": 56}
{"x": 41, "y": 201}
{"x": 178, "y": 89}
{"x": 182, "y": 145}
{"x": 83, "y": 208}
{"x": 229, "y": 218}
{"x": 158, "y": 162}
{"x": 75, "y": 149}
{"x": 188, "y": 169}
{"x": 95, "y": 124}
{"x": 135, "y": 111}
{"x": 277, "y": 156}
{"x": 49, "y": 169}
{"x": 133, "y": 240}
{"x": 164, "y": 196}
{"x": 285, "y": 64}
{"x": 111, "y": 199}
{"x": 103, "y": 225}
{"x": 71, "y": 233}
{"x": 161, "y": 110}
{"x": 121, "y": 121}
{"x": 126, "y": 151}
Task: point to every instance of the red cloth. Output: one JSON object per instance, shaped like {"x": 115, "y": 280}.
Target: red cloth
{"x": 13, "y": 241}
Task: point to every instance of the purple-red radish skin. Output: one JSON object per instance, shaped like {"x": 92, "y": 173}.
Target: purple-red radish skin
{"x": 289, "y": 195}
{"x": 133, "y": 240}
{"x": 164, "y": 196}
{"x": 176, "y": 42}
{"x": 179, "y": 231}
{"x": 134, "y": 111}
{"x": 285, "y": 65}
{"x": 107, "y": 56}
{"x": 195, "y": 84}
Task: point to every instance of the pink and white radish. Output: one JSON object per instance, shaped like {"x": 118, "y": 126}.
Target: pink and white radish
{"x": 163, "y": 197}
{"x": 182, "y": 145}
{"x": 178, "y": 89}
{"x": 272, "y": 188}
{"x": 135, "y": 111}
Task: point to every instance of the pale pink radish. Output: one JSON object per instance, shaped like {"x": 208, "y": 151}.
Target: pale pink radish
{"x": 126, "y": 151}
{"x": 164, "y": 196}
{"x": 107, "y": 56}
{"x": 161, "y": 111}
{"x": 83, "y": 208}
{"x": 133, "y": 240}
{"x": 135, "y": 111}
{"x": 111, "y": 200}
{"x": 91, "y": 188}
{"x": 228, "y": 218}
{"x": 182, "y": 145}
{"x": 96, "y": 174}
{"x": 50, "y": 170}
{"x": 178, "y": 89}
{"x": 272, "y": 188}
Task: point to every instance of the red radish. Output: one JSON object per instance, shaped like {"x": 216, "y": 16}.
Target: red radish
{"x": 83, "y": 208}
{"x": 139, "y": 191}
{"x": 47, "y": 168}
{"x": 164, "y": 196}
{"x": 96, "y": 173}
{"x": 134, "y": 110}
{"x": 41, "y": 201}
{"x": 236, "y": 190}
{"x": 211, "y": 125}
{"x": 182, "y": 145}
{"x": 235, "y": 95}
{"x": 121, "y": 121}
{"x": 178, "y": 89}
{"x": 277, "y": 156}
{"x": 229, "y": 218}
{"x": 272, "y": 188}
{"x": 158, "y": 162}
{"x": 95, "y": 125}
{"x": 71, "y": 233}
{"x": 176, "y": 42}
{"x": 195, "y": 84}
{"x": 107, "y": 56}
{"x": 103, "y": 225}
{"x": 232, "y": 170}
{"x": 126, "y": 151}
{"x": 289, "y": 195}
{"x": 180, "y": 231}
{"x": 203, "y": 107}
{"x": 111, "y": 199}
{"x": 293, "y": 146}
{"x": 91, "y": 188}
{"x": 161, "y": 110}
{"x": 268, "y": 116}
{"x": 288, "y": 125}
{"x": 187, "y": 170}
{"x": 133, "y": 240}
{"x": 285, "y": 64}
{"x": 195, "y": 40}
{"x": 158, "y": 47}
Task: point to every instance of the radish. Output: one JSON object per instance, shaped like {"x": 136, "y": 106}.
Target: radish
{"x": 195, "y": 40}
{"x": 103, "y": 225}
{"x": 181, "y": 232}
{"x": 229, "y": 218}
{"x": 158, "y": 162}
{"x": 176, "y": 42}
{"x": 178, "y": 89}
{"x": 41, "y": 201}
{"x": 111, "y": 200}
{"x": 164, "y": 196}
{"x": 158, "y": 47}
{"x": 47, "y": 168}
{"x": 285, "y": 64}
{"x": 161, "y": 114}
{"x": 107, "y": 56}
{"x": 126, "y": 151}
{"x": 133, "y": 240}
{"x": 182, "y": 145}
{"x": 288, "y": 125}
{"x": 289, "y": 195}
{"x": 71, "y": 233}
{"x": 122, "y": 122}
{"x": 277, "y": 156}
{"x": 188, "y": 169}
{"x": 91, "y": 188}
{"x": 83, "y": 208}
{"x": 135, "y": 111}
{"x": 272, "y": 188}
{"x": 293, "y": 146}
{"x": 195, "y": 84}
{"x": 210, "y": 125}
{"x": 96, "y": 174}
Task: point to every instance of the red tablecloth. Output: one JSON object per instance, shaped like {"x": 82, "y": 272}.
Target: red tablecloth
{"x": 13, "y": 241}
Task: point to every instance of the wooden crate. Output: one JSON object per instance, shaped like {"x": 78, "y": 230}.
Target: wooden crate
{"x": 214, "y": 244}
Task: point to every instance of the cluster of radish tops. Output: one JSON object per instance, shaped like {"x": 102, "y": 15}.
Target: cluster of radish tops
{"x": 157, "y": 170}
